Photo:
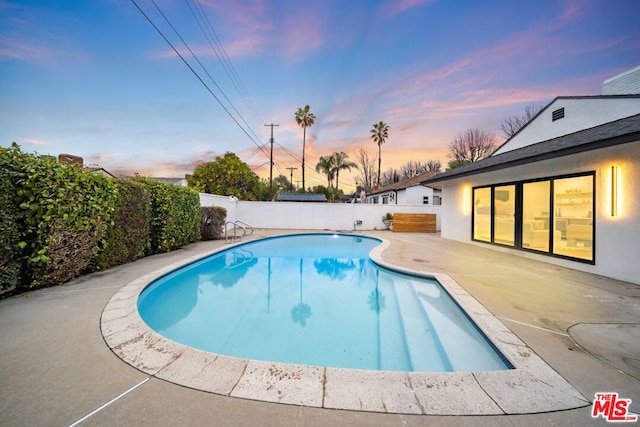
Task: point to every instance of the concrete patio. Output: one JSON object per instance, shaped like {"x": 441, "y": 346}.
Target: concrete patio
{"x": 56, "y": 367}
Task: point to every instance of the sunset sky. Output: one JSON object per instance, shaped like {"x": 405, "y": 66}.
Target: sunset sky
{"x": 95, "y": 79}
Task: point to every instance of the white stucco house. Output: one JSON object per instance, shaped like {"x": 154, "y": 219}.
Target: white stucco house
{"x": 565, "y": 189}
{"x": 410, "y": 191}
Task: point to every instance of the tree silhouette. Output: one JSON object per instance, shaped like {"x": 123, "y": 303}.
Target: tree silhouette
{"x": 325, "y": 166}
{"x": 305, "y": 119}
{"x": 340, "y": 162}
{"x": 470, "y": 146}
{"x": 379, "y": 134}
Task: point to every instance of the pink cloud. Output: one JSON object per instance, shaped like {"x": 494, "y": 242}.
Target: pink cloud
{"x": 301, "y": 33}
{"x": 34, "y": 141}
{"x": 252, "y": 28}
{"x": 244, "y": 25}
{"x": 22, "y": 50}
{"x": 395, "y": 7}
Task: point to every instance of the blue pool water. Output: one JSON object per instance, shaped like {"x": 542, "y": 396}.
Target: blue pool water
{"x": 316, "y": 299}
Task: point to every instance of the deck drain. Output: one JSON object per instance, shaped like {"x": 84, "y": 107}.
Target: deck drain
{"x": 420, "y": 260}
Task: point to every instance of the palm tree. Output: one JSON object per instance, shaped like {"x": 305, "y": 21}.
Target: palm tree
{"x": 379, "y": 134}
{"x": 325, "y": 166}
{"x": 305, "y": 119}
{"x": 340, "y": 162}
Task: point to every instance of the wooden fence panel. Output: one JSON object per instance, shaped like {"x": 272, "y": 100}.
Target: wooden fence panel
{"x": 414, "y": 223}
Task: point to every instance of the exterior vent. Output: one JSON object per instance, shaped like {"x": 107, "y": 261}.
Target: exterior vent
{"x": 557, "y": 114}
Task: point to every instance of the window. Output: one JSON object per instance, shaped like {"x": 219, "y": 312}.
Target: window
{"x": 482, "y": 214}
{"x": 536, "y": 215}
{"x": 551, "y": 215}
{"x": 385, "y": 200}
{"x": 437, "y": 200}
{"x": 573, "y": 202}
{"x": 425, "y": 200}
{"x": 504, "y": 211}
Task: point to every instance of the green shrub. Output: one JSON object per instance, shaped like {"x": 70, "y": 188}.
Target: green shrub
{"x": 64, "y": 211}
{"x": 9, "y": 232}
{"x": 212, "y": 221}
{"x": 175, "y": 215}
{"x": 128, "y": 235}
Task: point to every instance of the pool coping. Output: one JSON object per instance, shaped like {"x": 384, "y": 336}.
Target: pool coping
{"x": 531, "y": 387}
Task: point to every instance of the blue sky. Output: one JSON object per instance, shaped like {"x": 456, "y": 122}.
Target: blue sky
{"x": 94, "y": 78}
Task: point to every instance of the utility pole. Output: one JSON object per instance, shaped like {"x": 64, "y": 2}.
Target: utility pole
{"x": 291, "y": 169}
{"x": 271, "y": 164}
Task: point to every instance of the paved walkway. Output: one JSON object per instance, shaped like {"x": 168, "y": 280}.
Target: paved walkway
{"x": 56, "y": 369}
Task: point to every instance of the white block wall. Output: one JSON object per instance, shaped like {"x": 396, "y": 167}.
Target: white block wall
{"x": 312, "y": 216}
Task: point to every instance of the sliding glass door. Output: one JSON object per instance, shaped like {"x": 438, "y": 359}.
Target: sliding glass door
{"x": 482, "y": 214}
{"x": 504, "y": 215}
{"x": 551, "y": 215}
{"x": 536, "y": 215}
{"x": 573, "y": 202}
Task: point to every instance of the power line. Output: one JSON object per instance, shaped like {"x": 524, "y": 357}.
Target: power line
{"x": 192, "y": 70}
{"x": 203, "y": 67}
{"x": 222, "y": 56}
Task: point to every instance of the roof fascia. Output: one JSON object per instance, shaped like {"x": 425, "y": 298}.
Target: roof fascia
{"x": 609, "y": 142}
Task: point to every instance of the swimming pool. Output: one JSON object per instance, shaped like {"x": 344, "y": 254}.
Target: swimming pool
{"x": 316, "y": 299}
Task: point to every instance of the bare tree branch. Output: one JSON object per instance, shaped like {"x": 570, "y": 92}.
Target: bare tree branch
{"x": 367, "y": 166}
{"x": 512, "y": 124}
{"x": 470, "y": 146}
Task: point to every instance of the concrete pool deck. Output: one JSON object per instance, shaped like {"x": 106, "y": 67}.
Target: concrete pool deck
{"x": 56, "y": 367}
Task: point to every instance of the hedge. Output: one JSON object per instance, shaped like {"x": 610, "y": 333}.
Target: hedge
{"x": 9, "y": 231}
{"x": 128, "y": 235}
{"x": 58, "y": 221}
{"x": 175, "y": 215}
{"x": 63, "y": 214}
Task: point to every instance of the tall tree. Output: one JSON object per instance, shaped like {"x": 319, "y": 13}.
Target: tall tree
{"x": 227, "y": 176}
{"x": 283, "y": 182}
{"x": 367, "y": 168}
{"x": 512, "y": 124}
{"x": 325, "y": 166}
{"x": 340, "y": 162}
{"x": 390, "y": 176}
{"x": 415, "y": 167}
{"x": 306, "y": 119}
{"x": 379, "y": 134}
{"x": 470, "y": 146}
{"x": 434, "y": 166}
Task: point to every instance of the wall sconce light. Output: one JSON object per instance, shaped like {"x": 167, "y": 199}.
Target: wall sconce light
{"x": 466, "y": 200}
{"x": 614, "y": 190}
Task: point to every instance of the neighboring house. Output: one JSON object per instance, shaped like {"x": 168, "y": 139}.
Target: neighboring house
{"x": 182, "y": 182}
{"x": 565, "y": 189}
{"x": 100, "y": 171}
{"x": 70, "y": 159}
{"x": 410, "y": 191}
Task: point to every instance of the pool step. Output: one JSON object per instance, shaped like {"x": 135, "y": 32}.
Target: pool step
{"x": 465, "y": 347}
{"x": 423, "y": 344}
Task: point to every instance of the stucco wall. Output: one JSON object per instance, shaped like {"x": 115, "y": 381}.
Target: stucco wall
{"x": 312, "y": 216}
{"x": 617, "y": 249}
{"x": 580, "y": 113}
{"x": 415, "y": 194}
